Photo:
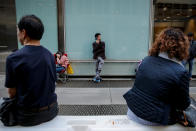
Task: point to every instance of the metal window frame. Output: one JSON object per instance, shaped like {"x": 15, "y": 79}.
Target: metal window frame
{"x": 62, "y": 30}
{"x": 61, "y": 25}
{"x": 151, "y": 24}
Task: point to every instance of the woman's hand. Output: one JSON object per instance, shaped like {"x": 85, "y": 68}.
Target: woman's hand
{"x": 11, "y": 92}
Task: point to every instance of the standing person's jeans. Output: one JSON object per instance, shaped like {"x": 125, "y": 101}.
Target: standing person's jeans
{"x": 99, "y": 66}
{"x": 190, "y": 62}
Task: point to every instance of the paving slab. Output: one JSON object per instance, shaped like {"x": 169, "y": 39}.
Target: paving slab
{"x": 83, "y": 96}
{"x": 117, "y": 95}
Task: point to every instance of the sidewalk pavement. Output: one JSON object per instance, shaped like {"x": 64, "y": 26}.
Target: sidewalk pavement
{"x": 91, "y": 96}
{"x": 88, "y": 95}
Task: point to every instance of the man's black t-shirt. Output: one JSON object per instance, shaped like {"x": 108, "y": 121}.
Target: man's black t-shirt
{"x": 32, "y": 71}
{"x": 99, "y": 50}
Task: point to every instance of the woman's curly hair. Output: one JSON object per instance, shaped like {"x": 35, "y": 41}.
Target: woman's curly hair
{"x": 173, "y": 42}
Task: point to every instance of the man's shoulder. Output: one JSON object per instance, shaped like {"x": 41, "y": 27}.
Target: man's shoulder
{"x": 102, "y": 42}
{"x": 94, "y": 43}
{"x": 48, "y": 54}
{"x": 15, "y": 54}
{"x": 46, "y": 50}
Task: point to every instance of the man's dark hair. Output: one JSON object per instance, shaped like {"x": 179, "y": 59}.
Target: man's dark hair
{"x": 32, "y": 25}
{"x": 190, "y": 34}
{"x": 96, "y": 35}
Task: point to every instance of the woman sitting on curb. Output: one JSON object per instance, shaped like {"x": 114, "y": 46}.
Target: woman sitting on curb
{"x": 62, "y": 62}
{"x": 162, "y": 84}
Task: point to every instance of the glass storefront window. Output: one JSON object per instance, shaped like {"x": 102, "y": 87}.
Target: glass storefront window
{"x": 175, "y": 13}
{"x": 8, "y": 38}
{"x": 46, "y": 10}
{"x": 124, "y": 25}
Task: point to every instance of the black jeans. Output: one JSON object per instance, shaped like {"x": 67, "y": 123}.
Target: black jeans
{"x": 31, "y": 118}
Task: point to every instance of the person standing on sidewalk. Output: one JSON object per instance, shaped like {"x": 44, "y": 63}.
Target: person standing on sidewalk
{"x": 98, "y": 55}
{"x": 192, "y": 53}
{"x": 31, "y": 75}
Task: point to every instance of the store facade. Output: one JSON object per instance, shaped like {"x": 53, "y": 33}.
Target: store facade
{"x": 128, "y": 28}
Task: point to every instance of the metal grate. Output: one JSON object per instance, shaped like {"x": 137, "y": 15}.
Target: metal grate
{"x": 193, "y": 83}
{"x": 91, "y": 84}
{"x": 84, "y": 110}
{"x": 104, "y": 84}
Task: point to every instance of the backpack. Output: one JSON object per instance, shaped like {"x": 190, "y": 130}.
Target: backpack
{"x": 8, "y": 111}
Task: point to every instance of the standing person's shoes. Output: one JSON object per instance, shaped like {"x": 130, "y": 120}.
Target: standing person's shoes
{"x": 97, "y": 79}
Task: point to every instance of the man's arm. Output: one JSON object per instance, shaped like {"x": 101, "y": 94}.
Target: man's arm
{"x": 10, "y": 80}
{"x": 94, "y": 48}
{"x": 103, "y": 46}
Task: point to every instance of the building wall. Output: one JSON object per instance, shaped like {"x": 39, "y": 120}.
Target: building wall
{"x": 8, "y": 39}
{"x": 124, "y": 25}
{"x": 46, "y": 10}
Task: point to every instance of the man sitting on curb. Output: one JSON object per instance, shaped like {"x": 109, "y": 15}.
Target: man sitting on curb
{"x": 31, "y": 75}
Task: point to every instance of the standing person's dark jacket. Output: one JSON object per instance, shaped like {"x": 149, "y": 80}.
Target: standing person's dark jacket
{"x": 192, "y": 50}
{"x": 99, "y": 50}
{"x": 161, "y": 86}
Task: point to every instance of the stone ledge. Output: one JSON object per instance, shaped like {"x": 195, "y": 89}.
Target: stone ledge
{"x": 94, "y": 123}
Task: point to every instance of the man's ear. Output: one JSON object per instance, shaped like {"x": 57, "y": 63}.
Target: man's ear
{"x": 24, "y": 33}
